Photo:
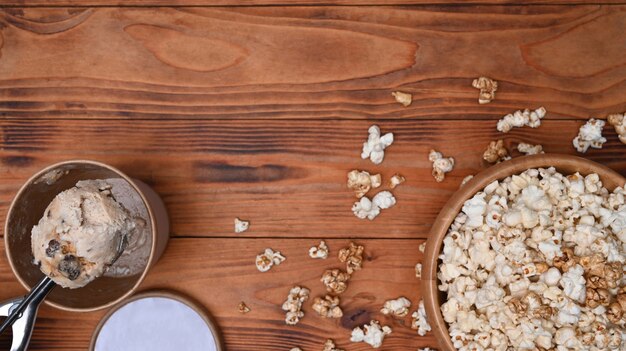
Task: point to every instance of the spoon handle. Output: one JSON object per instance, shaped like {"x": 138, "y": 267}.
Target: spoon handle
{"x": 36, "y": 295}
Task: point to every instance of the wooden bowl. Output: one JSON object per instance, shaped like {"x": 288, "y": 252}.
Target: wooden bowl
{"x": 565, "y": 164}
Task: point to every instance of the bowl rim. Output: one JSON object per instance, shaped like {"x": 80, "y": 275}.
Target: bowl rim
{"x": 454, "y": 204}
{"x": 162, "y": 293}
{"x": 151, "y": 216}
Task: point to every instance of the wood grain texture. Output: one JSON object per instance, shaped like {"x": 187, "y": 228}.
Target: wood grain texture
{"x": 259, "y": 113}
{"x": 123, "y": 3}
{"x": 219, "y": 273}
{"x": 309, "y": 62}
{"x": 287, "y": 178}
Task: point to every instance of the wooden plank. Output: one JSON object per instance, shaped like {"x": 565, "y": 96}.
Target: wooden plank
{"x": 309, "y": 62}
{"x": 287, "y": 178}
{"x": 292, "y": 2}
{"x": 219, "y": 273}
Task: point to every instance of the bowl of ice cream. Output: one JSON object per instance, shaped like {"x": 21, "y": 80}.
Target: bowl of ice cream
{"x": 552, "y": 297}
{"x": 89, "y": 227}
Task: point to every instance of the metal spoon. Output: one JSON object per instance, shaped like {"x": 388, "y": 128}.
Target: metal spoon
{"x": 21, "y": 312}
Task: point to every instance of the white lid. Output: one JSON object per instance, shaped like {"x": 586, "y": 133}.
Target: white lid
{"x": 156, "y": 321}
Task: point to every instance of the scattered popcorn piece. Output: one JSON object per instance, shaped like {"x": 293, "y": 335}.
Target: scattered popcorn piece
{"x": 329, "y": 345}
{"x": 243, "y": 308}
{"x": 618, "y": 121}
{"x": 466, "y": 180}
{"x": 566, "y": 338}
{"x": 418, "y": 270}
{"x": 397, "y": 308}
{"x": 426, "y": 349}
{"x": 241, "y": 225}
{"x": 352, "y": 256}
{"x": 496, "y": 152}
{"x": 267, "y": 259}
{"x": 327, "y": 306}
{"x": 366, "y": 208}
{"x": 487, "y": 88}
{"x": 296, "y": 349}
{"x": 589, "y": 135}
{"x": 335, "y": 280}
{"x": 293, "y": 305}
{"x": 441, "y": 165}
{"x": 475, "y": 209}
{"x": 404, "y": 98}
{"x": 419, "y": 320}
{"x": 422, "y": 247}
{"x": 551, "y": 277}
{"x": 573, "y": 283}
{"x": 361, "y": 182}
{"x": 615, "y": 313}
{"x": 597, "y": 297}
{"x": 384, "y": 200}
{"x": 396, "y": 180}
{"x": 521, "y": 118}
{"x": 375, "y": 145}
{"x": 320, "y": 251}
{"x": 371, "y": 334}
{"x": 529, "y": 149}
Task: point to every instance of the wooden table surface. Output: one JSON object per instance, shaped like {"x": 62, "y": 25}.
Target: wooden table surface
{"x": 259, "y": 113}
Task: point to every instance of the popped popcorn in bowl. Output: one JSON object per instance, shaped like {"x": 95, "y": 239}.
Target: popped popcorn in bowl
{"x": 534, "y": 261}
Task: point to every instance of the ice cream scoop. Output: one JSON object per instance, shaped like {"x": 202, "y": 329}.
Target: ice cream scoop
{"x": 119, "y": 281}
{"x": 82, "y": 232}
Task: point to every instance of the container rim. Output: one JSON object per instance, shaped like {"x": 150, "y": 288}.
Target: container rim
{"x": 152, "y": 218}
{"x": 163, "y": 293}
